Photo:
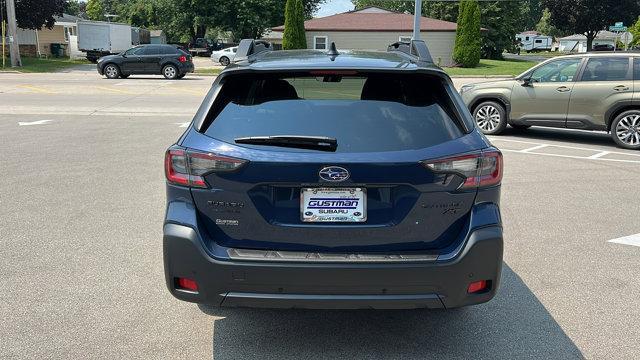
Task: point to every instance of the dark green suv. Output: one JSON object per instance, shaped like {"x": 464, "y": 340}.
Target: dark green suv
{"x": 592, "y": 91}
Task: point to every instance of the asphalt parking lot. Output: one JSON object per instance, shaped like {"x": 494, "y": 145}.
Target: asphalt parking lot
{"x": 81, "y": 210}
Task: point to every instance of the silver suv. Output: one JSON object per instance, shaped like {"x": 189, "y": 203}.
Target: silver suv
{"x": 588, "y": 91}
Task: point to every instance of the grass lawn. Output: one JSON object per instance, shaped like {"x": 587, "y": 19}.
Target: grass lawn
{"x": 37, "y": 65}
{"x": 493, "y": 67}
{"x": 208, "y": 71}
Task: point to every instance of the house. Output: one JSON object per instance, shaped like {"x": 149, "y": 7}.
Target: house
{"x": 274, "y": 37}
{"x": 578, "y": 42}
{"x": 38, "y": 42}
{"x": 534, "y": 41}
{"x": 374, "y": 28}
{"x": 158, "y": 37}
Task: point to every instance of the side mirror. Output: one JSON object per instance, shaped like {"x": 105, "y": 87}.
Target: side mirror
{"x": 527, "y": 82}
{"x": 124, "y": 55}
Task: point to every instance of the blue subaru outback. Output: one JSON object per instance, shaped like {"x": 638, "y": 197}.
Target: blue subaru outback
{"x": 312, "y": 179}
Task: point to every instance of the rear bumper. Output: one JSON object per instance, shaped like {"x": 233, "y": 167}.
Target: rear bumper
{"x": 440, "y": 283}
{"x": 187, "y": 68}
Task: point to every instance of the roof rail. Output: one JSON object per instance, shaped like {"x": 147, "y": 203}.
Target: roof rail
{"x": 416, "y": 48}
{"x": 249, "y": 48}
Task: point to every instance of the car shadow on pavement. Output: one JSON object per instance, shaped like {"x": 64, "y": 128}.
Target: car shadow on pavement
{"x": 153, "y": 77}
{"x": 568, "y": 136}
{"x": 513, "y": 325}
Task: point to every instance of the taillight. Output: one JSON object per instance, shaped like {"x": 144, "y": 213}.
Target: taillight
{"x": 182, "y": 58}
{"x": 186, "y": 284}
{"x": 478, "y": 286}
{"x": 188, "y": 167}
{"x": 481, "y": 169}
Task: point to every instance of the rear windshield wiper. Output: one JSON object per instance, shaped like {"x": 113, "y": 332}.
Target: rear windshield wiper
{"x": 321, "y": 143}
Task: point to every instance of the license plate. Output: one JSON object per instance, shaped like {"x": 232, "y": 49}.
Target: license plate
{"x": 333, "y": 204}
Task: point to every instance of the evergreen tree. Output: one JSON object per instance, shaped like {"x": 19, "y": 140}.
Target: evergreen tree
{"x": 294, "y": 36}
{"x": 466, "y": 51}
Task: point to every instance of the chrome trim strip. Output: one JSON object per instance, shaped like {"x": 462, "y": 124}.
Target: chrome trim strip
{"x": 284, "y": 256}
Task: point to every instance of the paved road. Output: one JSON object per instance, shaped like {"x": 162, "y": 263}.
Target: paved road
{"x": 81, "y": 209}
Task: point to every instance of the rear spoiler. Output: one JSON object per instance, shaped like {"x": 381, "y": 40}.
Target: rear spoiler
{"x": 248, "y": 49}
{"x": 416, "y": 49}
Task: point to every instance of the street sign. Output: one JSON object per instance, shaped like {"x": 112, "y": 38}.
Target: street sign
{"x": 626, "y": 38}
{"x": 617, "y": 28}
{"x": 619, "y": 24}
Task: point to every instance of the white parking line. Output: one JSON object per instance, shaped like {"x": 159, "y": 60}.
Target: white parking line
{"x": 183, "y": 124}
{"x": 534, "y": 148}
{"x": 29, "y": 123}
{"x": 598, "y": 155}
{"x": 633, "y": 240}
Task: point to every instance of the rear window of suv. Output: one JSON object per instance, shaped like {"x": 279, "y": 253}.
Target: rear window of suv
{"x": 363, "y": 112}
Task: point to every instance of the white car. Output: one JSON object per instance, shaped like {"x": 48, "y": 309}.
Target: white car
{"x": 224, "y": 56}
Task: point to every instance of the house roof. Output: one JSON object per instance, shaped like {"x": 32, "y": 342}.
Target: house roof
{"x": 66, "y": 18}
{"x": 368, "y": 20}
{"x": 601, "y": 35}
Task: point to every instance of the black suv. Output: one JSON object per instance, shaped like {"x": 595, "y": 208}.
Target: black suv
{"x": 166, "y": 60}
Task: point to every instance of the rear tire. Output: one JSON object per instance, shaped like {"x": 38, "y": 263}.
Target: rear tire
{"x": 111, "y": 71}
{"x": 625, "y": 130}
{"x": 224, "y": 61}
{"x": 490, "y": 117}
{"x": 170, "y": 72}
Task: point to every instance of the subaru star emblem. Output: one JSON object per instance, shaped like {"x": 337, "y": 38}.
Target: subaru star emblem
{"x": 334, "y": 173}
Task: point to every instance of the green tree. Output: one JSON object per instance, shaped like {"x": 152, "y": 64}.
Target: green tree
{"x": 635, "y": 31}
{"x": 589, "y": 17}
{"x": 466, "y": 51}
{"x": 532, "y": 11}
{"x": 294, "y": 35}
{"x": 35, "y": 14}
{"x": 502, "y": 21}
{"x": 72, "y": 7}
{"x": 95, "y": 10}
{"x": 545, "y": 27}
{"x": 442, "y": 10}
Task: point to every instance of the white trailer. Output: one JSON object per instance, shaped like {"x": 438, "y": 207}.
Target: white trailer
{"x": 98, "y": 38}
{"x": 534, "y": 42}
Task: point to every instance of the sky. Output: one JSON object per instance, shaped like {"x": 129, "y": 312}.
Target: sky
{"x": 332, "y": 7}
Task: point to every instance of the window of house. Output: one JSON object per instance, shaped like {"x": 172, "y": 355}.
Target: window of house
{"x": 404, "y": 39}
{"x": 320, "y": 42}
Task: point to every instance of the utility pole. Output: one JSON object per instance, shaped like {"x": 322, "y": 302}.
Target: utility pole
{"x": 2, "y": 33}
{"x": 416, "y": 20}
{"x": 14, "y": 51}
